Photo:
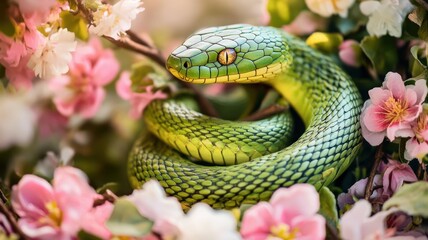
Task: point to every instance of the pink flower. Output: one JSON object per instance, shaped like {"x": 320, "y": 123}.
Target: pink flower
{"x": 395, "y": 175}
{"x": 305, "y": 23}
{"x": 357, "y": 191}
{"x": 417, "y": 146}
{"x": 139, "y": 101}
{"x": 356, "y": 224}
{"x": 53, "y": 212}
{"x": 350, "y": 53}
{"x": 15, "y": 53}
{"x": 95, "y": 221}
{"x": 290, "y": 214}
{"x": 81, "y": 91}
{"x": 391, "y": 109}
{"x": 36, "y": 10}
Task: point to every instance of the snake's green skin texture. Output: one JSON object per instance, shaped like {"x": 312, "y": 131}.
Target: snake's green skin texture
{"x": 322, "y": 94}
{"x": 214, "y": 140}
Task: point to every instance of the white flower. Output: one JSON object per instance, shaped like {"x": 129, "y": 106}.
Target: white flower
{"x": 356, "y": 224}
{"x": 326, "y": 8}
{"x": 152, "y": 202}
{"x": 51, "y": 58}
{"x": 202, "y": 222}
{"x": 113, "y": 20}
{"x": 17, "y": 121}
{"x": 47, "y": 166}
{"x": 386, "y": 16}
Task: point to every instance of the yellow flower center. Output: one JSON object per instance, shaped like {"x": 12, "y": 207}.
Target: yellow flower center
{"x": 282, "y": 231}
{"x": 395, "y": 110}
{"x": 421, "y": 126}
{"x": 54, "y": 214}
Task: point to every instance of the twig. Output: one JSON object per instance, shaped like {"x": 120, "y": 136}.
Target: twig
{"x": 269, "y": 111}
{"x": 107, "y": 197}
{"x": 10, "y": 217}
{"x": 127, "y": 43}
{"x": 423, "y": 4}
{"x": 136, "y": 38}
{"x": 3, "y": 197}
{"x": 378, "y": 159}
{"x": 206, "y": 107}
{"x": 331, "y": 232}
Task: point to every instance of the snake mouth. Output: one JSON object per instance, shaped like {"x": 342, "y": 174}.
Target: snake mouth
{"x": 179, "y": 76}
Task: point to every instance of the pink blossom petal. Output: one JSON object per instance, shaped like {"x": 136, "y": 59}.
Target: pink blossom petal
{"x": 31, "y": 195}
{"x": 410, "y": 97}
{"x": 421, "y": 90}
{"x": 74, "y": 197}
{"x": 309, "y": 228}
{"x": 373, "y": 138}
{"x": 412, "y": 113}
{"x": 374, "y": 119}
{"x": 379, "y": 96}
{"x": 34, "y": 230}
{"x": 395, "y": 84}
{"x": 391, "y": 131}
{"x": 105, "y": 70}
{"x": 297, "y": 200}
{"x": 90, "y": 104}
{"x": 123, "y": 86}
{"x": 257, "y": 222}
{"x": 94, "y": 221}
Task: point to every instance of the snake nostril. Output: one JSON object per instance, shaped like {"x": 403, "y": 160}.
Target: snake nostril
{"x": 187, "y": 64}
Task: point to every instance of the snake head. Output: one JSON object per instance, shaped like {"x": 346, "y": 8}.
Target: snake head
{"x": 235, "y": 53}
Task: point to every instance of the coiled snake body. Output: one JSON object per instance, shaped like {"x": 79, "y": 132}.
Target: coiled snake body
{"x": 322, "y": 94}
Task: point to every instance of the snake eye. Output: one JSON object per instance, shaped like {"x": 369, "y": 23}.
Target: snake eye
{"x": 187, "y": 64}
{"x": 226, "y": 56}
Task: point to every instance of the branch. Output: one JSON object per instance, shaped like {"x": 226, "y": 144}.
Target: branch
{"x": 378, "y": 159}
{"x": 10, "y": 217}
{"x": 138, "y": 39}
{"x": 151, "y": 53}
{"x": 267, "y": 112}
{"x": 423, "y": 3}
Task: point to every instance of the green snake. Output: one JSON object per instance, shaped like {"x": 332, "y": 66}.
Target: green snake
{"x": 249, "y": 160}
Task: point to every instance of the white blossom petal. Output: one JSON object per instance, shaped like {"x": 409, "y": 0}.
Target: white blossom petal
{"x": 202, "y": 222}
{"x": 112, "y": 21}
{"x": 51, "y": 58}
{"x": 369, "y": 7}
{"x": 17, "y": 122}
{"x": 385, "y": 17}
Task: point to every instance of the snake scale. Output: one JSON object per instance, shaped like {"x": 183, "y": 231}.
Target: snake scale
{"x": 322, "y": 94}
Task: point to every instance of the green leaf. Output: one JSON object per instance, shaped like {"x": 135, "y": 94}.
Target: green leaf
{"x": 423, "y": 30}
{"x": 139, "y": 76}
{"x": 328, "y": 206}
{"x": 127, "y": 221}
{"x": 411, "y": 198}
{"x": 416, "y": 65}
{"x": 283, "y": 12}
{"x": 325, "y": 42}
{"x": 75, "y": 23}
{"x": 82, "y": 235}
{"x": 6, "y": 25}
{"x": 108, "y": 186}
{"x": 382, "y": 52}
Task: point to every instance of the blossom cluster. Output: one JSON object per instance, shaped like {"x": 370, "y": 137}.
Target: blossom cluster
{"x": 67, "y": 207}
{"x": 395, "y": 110}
